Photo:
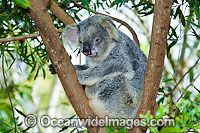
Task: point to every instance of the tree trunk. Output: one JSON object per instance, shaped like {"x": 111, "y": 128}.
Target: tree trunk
{"x": 59, "y": 58}
{"x": 161, "y": 20}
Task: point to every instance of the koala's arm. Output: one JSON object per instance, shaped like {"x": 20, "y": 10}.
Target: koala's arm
{"x": 80, "y": 67}
{"x": 94, "y": 74}
{"x": 76, "y": 67}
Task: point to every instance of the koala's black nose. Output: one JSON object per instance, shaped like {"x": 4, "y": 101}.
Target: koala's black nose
{"x": 86, "y": 48}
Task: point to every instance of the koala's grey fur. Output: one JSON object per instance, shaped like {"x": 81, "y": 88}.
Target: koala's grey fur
{"x": 115, "y": 68}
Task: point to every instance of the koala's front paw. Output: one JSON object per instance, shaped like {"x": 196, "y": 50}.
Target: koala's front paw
{"x": 130, "y": 75}
{"x": 132, "y": 101}
{"x": 52, "y": 69}
{"x": 86, "y": 80}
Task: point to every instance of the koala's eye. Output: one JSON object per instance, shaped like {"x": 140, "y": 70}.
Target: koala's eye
{"x": 80, "y": 42}
{"x": 97, "y": 39}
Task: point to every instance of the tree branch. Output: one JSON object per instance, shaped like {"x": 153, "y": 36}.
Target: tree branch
{"x": 17, "y": 38}
{"x": 60, "y": 59}
{"x": 58, "y": 12}
{"x": 162, "y": 12}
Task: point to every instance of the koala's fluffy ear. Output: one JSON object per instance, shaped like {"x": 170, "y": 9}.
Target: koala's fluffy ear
{"x": 108, "y": 24}
{"x": 70, "y": 36}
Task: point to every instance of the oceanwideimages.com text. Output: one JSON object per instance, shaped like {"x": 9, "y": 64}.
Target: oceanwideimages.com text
{"x": 47, "y": 121}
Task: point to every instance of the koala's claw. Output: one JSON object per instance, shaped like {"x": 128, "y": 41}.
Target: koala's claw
{"x": 52, "y": 69}
{"x": 132, "y": 101}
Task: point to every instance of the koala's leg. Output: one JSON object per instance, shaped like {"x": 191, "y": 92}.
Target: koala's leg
{"x": 110, "y": 96}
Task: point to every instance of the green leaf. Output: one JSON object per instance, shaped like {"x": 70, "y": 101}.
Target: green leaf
{"x": 198, "y": 26}
{"x": 194, "y": 111}
{"x": 171, "y": 130}
{"x": 4, "y": 124}
{"x": 110, "y": 129}
{"x": 196, "y": 9}
{"x": 197, "y": 36}
{"x": 160, "y": 113}
{"x": 117, "y": 2}
{"x": 25, "y": 129}
{"x": 63, "y": 128}
{"x": 8, "y": 131}
{"x": 36, "y": 73}
{"x": 20, "y": 124}
{"x": 23, "y": 3}
{"x": 191, "y": 74}
{"x": 198, "y": 53}
{"x": 175, "y": 1}
{"x": 170, "y": 46}
{"x": 20, "y": 112}
{"x": 113, "y": 3}
{"x": 181, "y": 16}
{"x": 85, "y": 2}
{"x": 167, "y": 79}
{"x": 161, "y": 100}
{"x": 120, "y": 1}
{"x": 147, "y": 115}
{"x": 43, "y": 72}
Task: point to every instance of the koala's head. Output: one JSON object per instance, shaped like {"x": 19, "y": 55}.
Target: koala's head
{"x": 92, "y": 35}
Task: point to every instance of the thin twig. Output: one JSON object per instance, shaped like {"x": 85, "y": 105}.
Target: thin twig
{"x": 8, "y": 88}
{"x": 116, "y": 19}
{"x": 14, "y": 86}
{"x": 17, "y": 38}
{"x": 188, "y": 87}
{"x": 196, "y": 88}
{"x": 183, "y": 77}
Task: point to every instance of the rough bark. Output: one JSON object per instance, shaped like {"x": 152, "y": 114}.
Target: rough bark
{"x": 162, "y": 12}
{"x": 60, "y": 59}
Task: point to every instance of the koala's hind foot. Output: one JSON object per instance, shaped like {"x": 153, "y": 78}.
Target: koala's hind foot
{"x": 132, "y": 101}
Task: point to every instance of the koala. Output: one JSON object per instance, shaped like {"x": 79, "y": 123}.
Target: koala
{"x": 113, "y": 75}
